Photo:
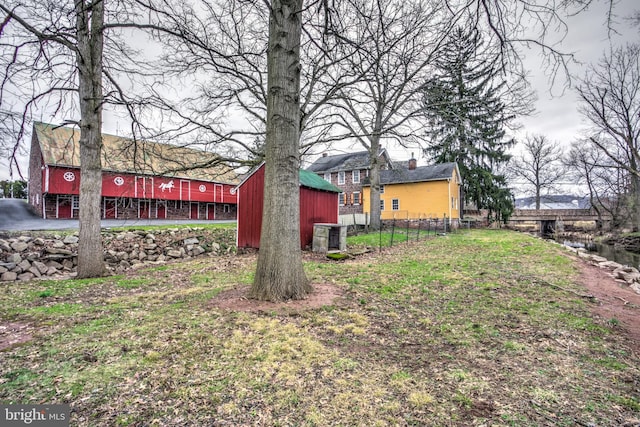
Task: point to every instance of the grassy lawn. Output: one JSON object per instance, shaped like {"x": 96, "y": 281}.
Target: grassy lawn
{"x": 477, "y": 328}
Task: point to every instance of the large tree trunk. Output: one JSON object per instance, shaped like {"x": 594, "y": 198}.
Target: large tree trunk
{"x": 89, "y": 28}
{"x": 279, "y": 274}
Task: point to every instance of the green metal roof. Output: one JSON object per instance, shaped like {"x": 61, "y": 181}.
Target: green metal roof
{"x": 312, "y": 180}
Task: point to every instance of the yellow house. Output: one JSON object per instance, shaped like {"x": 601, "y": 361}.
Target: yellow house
{"x": 418, "y": 192}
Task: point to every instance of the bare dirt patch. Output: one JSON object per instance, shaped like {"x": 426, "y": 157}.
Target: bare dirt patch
{"x": 615, "y": 301}
{"x": 14, "y": 333}
{"x": 236, "y": 300}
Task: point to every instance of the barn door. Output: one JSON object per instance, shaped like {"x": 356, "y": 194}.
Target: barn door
{"x": 162, "y": 209}
{"x": 143, "y": 209}
{"x": 110, "y": 208}
{"x": 185, "y": 190}
{"x": 218, "y": 195}
{"x": 211, "y": 211}
{"x": 194, "y": 210}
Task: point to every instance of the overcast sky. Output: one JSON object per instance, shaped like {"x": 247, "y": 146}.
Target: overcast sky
{"x": 556, "y": 112}
{"x": 557, "y": 116}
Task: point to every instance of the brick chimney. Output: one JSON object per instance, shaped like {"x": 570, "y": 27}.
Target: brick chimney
{"x": 412, "y": 163}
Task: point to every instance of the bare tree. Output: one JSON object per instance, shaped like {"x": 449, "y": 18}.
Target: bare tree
{"x": 610, "y": 95}
{"x": 396, "y": 45}
{"x": 52, "y": 43}
{"x": 539, "y": 166}
{"x": 221, "y": 47}
{"x": 607, "y": 183}
{"x": 66, "y": 59}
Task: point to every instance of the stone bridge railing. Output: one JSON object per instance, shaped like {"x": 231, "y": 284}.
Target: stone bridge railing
{"x": 554, "y": 213}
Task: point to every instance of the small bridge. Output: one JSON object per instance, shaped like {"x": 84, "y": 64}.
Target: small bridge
{"x": 551, "y": 220}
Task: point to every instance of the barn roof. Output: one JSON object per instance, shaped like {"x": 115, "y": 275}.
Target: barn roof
{"x": 60, "y": 147}
{"x": 437, "y": 172}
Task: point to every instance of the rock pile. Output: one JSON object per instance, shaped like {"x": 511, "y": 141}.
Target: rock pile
{"x": 624, "y": 273}
{"x": 26, "y": 257}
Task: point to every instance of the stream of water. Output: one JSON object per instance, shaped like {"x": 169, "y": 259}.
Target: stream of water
{"x": 609, "y": 252}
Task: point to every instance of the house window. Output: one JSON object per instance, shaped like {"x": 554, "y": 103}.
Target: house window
{"x": 381, "y": 205}
{"x": 341, "y": 199}
{"x": 382, "y": 189}
{"x": 327, "y": 176}
{"x": 356, "y": 198}
{"x": 395, "y": 204}
{"x": 355, "y": 176}
{"x": 341, "y": 178}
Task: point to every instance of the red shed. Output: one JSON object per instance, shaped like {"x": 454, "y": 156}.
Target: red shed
{"x": 318, "y": 203}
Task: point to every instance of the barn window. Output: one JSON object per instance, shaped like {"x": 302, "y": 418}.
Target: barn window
{"x": 355, "y": 176}
{"x": 341, "y": 178}
{"x": 226, "y": 208}
{"x": 395, "y": 204}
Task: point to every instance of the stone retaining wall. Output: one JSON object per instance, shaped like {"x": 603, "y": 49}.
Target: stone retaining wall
{"x": 27, "y": 257}
{"x": 623, "y": 273}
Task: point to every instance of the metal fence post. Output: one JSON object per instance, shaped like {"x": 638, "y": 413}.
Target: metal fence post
{"x": 393, "y": 230}
{"x": 407, "y": 227}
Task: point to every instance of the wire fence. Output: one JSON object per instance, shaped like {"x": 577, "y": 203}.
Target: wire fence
{"x": 401, "y": 227}
{"x": 396, "y": 231}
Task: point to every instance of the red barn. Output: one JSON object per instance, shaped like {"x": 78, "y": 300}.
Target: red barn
{"x": 140, "y": 179}
{"x": 318, "y": 204}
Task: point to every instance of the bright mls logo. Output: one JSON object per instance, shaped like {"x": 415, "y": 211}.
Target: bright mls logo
{"x": 167, "y": 186}
{"x": 34, "y": 415}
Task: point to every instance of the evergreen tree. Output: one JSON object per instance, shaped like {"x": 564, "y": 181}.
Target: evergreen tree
{"x": 467, "y": 119}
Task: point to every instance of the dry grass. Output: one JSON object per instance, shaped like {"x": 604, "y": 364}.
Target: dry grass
{"x": 461, "y": 330}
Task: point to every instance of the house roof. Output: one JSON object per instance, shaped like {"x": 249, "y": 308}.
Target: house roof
{"x": 437, "y": 172}
{"x": 60, "y": 147}
{"x": 344, "y": 162}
